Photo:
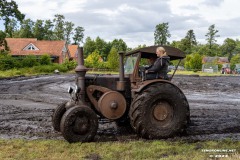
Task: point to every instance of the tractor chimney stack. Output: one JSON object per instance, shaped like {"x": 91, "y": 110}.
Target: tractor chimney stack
{"x": 121, "y": 82}
{"x": 81, "y": 71}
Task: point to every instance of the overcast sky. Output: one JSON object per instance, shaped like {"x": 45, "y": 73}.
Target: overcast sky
{"x": 134, "y": 20}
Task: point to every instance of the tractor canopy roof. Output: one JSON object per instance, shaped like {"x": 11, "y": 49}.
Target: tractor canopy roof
{"x": 148, "y": 52}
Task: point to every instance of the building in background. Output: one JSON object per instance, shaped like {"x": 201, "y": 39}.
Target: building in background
{"x": 58, "y": 50}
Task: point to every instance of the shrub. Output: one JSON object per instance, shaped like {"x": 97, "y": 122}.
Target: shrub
{"x": 70, "y": 64}
{"x": 193, "y": 62}
{"x": 6, "y": 62}
{"x": 94, "y": 60}
{"x": 45, "y": 59}
{"x": 49, "y": 68}
{"x": 29, "y": 61}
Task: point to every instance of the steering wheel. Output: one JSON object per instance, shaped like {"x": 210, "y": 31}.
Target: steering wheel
{"x": 142, "y": 73}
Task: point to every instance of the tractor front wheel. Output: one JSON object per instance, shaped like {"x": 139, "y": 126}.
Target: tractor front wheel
{"x": 57, "y": 116}
{"x": 160, "y": 111}
{"x": 79, "y": 124}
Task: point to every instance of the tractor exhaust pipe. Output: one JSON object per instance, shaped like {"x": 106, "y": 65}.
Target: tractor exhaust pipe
{"x": 121, "y": 82}
{"x": 80, "y": 78}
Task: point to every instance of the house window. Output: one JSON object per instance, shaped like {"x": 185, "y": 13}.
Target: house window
{"x": 31, "y": 47}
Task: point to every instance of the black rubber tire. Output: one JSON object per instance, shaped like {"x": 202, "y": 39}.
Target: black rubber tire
{"x": 141, "y": 111}
{"x": 71, "y": 120}
{"x": 57, "y": 116}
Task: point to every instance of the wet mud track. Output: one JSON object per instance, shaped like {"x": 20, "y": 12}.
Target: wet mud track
{"x": 27, "y": 104}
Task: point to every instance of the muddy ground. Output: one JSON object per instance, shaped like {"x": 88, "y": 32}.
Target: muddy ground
{"x": 27, "y": 103}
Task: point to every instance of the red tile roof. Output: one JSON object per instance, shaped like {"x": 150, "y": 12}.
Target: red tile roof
{"x": 73, "y": 50}
{"x": 16, "y": 46}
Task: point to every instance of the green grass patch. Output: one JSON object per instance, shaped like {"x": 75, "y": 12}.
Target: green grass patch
{"x": 56, "y": 149}
{"x": 200, "y": 73}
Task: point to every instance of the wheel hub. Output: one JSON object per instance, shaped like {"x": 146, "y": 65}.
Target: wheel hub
{"x": 81, "y": 125}
{"x": 162, "y": 111}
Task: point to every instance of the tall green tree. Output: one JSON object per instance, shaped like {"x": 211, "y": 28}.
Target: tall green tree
{"x": 8, "y": 10}
{"x": 11, "y": 28}
{"x": 38, "y": 30}
{"x": 190, "y": 41}
{"x": 26, "y": 29}
{"x": 211, "y": 37}
{"x": 89, "y": 46}
{"x": 78, "y": 35}
{"x": 101, "y": 47}
{"x": 48, "y": 30}
{"x": 68, "y": 31}
{"x": 161, "y": 34}
{"x": 119, "y": 44}
{"x": 59, "y": 26}
{"x": 113, "y": 59}
{"x": 228, "y": 47}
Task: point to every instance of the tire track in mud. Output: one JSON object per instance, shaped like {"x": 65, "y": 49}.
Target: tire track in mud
{"x": 27, "y": 104}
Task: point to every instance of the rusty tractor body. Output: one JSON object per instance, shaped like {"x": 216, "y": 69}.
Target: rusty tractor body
{"x": 154, "y": 108}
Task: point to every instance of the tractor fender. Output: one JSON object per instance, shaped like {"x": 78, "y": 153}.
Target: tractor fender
{"x": 144, "y": 84}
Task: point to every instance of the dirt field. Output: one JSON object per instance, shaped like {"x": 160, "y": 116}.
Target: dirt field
{"x": 26, "y": 106}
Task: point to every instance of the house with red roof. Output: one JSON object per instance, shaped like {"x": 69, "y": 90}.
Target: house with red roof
{"x": 73, "y": 50}
{"x": 58, "y": 50}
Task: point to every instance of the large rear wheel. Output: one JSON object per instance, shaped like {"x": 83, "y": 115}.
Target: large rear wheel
{"x": 160, "y": 111}
{"x": 79, "y": 124}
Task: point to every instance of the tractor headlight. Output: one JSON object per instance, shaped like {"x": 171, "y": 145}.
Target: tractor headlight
{"x": 77, "y": 89}
{"x": 74, "y": 92}
{"x": 70, "y": 90}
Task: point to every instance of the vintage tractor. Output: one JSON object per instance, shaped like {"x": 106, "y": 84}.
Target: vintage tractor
{"x": 154, "y": 108}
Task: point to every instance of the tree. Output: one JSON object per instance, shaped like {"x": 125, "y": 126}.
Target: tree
{"x": 48, "y": 30}
{"x": 161, "y": 34}
{"x": 190, "y": 41}
{"x": 9, "y": 10}
{"x": 89, "y": 46}
{"x": 26, "y": 29}
{"x": 235, "y": 60}
{"x": 59, "y": 27}
{"x": 119, "y": 44}
{"x": 93, "y": 60}
{"x": 68, "y": 31}
{"x": 113, "y": 59}
{"x": 38, "y": 30}
{"x": 11, "y": 28}
{"x": 228, "y": 47}
{"x": 193, "y": 62}
{"x": 78, "y": 35}
{"x": 101, "y": 47}
{"x": 3, "y": 43}
{"x": 211, "y": 37}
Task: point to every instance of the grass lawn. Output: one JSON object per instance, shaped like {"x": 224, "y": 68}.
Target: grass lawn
{"x": 57, "y": 149}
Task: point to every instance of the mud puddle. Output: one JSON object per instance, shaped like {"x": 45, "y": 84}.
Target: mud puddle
{"x": 27, "y": 104}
